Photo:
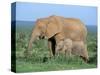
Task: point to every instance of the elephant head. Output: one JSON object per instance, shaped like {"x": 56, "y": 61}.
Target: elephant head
{"x": 45, "y": 28}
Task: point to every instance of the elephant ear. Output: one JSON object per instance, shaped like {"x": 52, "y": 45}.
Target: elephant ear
{"x": 54, "y": 26}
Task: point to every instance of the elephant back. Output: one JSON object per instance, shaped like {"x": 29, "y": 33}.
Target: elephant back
{"x": 74, "y": 29}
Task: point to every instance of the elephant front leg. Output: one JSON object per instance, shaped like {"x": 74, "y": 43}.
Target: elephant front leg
{"x": 57, "y": 50}
{"x": 59, "y": 47}
{"x": 51, "y": 45}
{"x": 50, "y": 48}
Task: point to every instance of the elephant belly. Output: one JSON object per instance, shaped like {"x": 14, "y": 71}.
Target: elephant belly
{"x": 75, "y": 35}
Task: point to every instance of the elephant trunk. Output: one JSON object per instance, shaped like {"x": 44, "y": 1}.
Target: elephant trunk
{"x": 32, "y": 39}
{"x": 30, "y": 42}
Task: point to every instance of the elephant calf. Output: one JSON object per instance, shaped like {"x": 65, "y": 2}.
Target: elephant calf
{"x": 69, "y": 47}
{"x": 65, "y": 46}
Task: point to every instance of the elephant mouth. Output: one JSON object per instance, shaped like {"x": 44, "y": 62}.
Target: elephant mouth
{"x": 41, "y": 37}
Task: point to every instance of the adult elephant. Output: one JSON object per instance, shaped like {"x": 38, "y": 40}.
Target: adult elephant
{"x": 56, "y": 28}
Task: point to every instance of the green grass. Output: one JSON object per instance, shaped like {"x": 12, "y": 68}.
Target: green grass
{"x": 54, "y": 64}
{"x": 40, "y": 51}
{"x": 48, "y": 66}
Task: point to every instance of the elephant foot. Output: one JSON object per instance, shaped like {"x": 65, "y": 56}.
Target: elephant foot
{"x": 45, "y": 59}
{"x": 85, "y": 59}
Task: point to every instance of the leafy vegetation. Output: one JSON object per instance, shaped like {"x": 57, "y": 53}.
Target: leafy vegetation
{"x": 40, "y": 52}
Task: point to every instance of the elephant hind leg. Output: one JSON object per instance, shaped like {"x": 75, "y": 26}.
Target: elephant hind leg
{"x": 84, "y": 55}
{"x": 85, "y": 59}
